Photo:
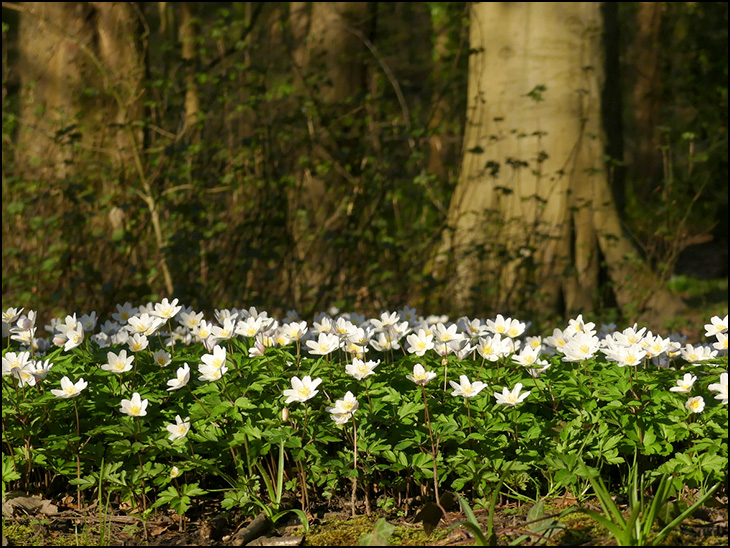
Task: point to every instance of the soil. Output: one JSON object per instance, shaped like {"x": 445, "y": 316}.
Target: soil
{"x": 329, "y": 526}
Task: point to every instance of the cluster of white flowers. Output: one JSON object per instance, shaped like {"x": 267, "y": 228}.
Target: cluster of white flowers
{"x": 352, "y": 334}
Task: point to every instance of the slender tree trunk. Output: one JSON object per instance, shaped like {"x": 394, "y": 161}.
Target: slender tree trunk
{"x": 441, "y": 147}
{"x": 647, "y": 162}
{"x": 189, "y": 34}
{"x": 533, "y": 212}
{"x": 328, "y": 38}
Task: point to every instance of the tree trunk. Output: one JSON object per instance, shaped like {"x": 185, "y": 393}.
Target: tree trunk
{"x": 329, "y": 41}
{"x": 189, "y": 34}
{"x": 647, "y": 92}
{"x": 442, "y": 151}
{"x": 81, "y": 69}
{"x": 65, "y": 96}
{"x": 533, "y": 213}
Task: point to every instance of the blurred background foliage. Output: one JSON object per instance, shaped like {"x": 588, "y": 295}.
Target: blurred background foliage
{"x": 234, "y": 165}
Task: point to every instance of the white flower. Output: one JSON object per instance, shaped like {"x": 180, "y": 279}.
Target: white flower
{"x": 696, "y": 404}
{"x": 386, "y": 319}
{"x": 40, "y": 369}
{"x": 167, "y": 309}
{"x": 384, "y": 341}
{"x": 720, "y": 388}
{"x": 203, "y": 330}
{"x": 721, "y": 343}
{"x": 293, "y": 330}
{"x": 124, "y": 312}
{"x": 191, "y": 320}
{"x": 161, "y": 358}
{"x": 581, "y": 346}
{"x": 257, "y": 349}
{"x": 579, "y": 326}
{"x": 251, "y": 326}
{"x": 473, "y": 328}
{"x": 630, "y": 335}
{"x": 74, "y": 337}
{"x": 513, "y": 397}
{"x": 559, "y": 339}
{"x": 716, "y": 325}
{"x": 344, "y": 328}
{"x": 360, "y": 369}
{"x": 444, "y": 334}
{"x": 655, "y": 345}
{"x": 25, "y": 375}
{"x": 211, "y": 373}
{"x": 136, "y": 407}
{"x": 625, "y": 355}
{"x": 174, "y": 472}
{"x": 118, "y": 363}
{"x": 529, "y": 356}
{"x": 466, "y": 388}
{"x": 178, "y": 430}
{"x": 13, "y": 361}
{"x": 183, "y": 376}
{"x": 343, "y": 409}
{"x": 216, "y": 360}
{"x": 302, "y": 390}
{"x": 696, "y": 354}
{"x": 492, "y": 347}
{"x": 12, "y": 314}
{"x": 506, "y": 326}
{"x": 325, "y": 343}
{"x": 684, "y": 385}
{"x": 420, "y": 376}
{"x": 69, "y": 389}
{"x": 88, "y": 321}
{"x": 144, "y": 324}
{"x": 137, "y": 342}
{"x": 419, "y": 342}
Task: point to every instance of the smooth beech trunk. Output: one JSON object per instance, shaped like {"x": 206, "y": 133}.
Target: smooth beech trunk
{"x": 533, "y": 216}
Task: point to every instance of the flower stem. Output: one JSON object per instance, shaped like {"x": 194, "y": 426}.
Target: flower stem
{"x": 353, "y": 497}
{"x": 78, "y": 457}
{"x": 434, "y": 453}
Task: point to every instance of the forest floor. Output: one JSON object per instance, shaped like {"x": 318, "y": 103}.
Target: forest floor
{"x": 330, "y": 526}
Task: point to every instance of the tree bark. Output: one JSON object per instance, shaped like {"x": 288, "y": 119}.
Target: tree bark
{"x": 328, "y": 40}
{"x": 647, "y": 94}
{"x": 189, "y": 33}
{"x": 533, "y": 213}
{"x": 64, "y": 99}
{"x": 81, "y": 68}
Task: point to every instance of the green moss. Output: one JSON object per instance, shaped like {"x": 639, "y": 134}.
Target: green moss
{"x": 347, "y": 532}
{"x": 27, "y": 533}
{"x": 579, "y": 529}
